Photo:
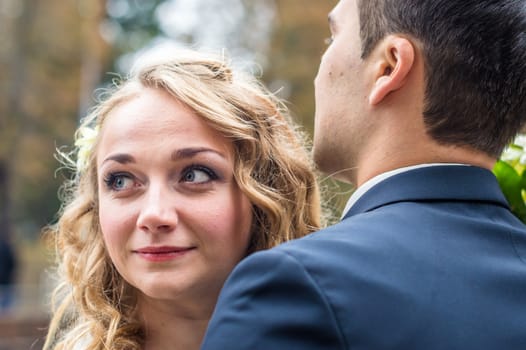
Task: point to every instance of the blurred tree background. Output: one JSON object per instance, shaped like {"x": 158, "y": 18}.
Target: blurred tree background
{"x": 55, "y": 53}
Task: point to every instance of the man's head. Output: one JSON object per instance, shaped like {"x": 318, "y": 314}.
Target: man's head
{"x": 474, "y": 73}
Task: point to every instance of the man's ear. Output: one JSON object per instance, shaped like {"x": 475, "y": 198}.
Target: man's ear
{"x": 395, "y": 59}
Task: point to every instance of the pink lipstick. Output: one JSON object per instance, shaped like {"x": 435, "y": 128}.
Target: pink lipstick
{"x": 164, "y": 253}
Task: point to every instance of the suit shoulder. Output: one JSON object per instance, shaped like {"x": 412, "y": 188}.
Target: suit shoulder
{"x": 258, "y": 291}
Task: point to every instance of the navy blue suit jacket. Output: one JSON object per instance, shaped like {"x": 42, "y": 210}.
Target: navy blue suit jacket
{"x": 427, "y": 259}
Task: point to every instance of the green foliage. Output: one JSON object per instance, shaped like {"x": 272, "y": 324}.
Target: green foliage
{"x": 510, "y": 173}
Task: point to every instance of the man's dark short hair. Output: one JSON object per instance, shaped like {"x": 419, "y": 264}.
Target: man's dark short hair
{"x": 475, "y": 64}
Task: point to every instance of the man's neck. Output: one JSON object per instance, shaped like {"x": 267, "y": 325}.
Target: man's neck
{"x": 378, "y": 162}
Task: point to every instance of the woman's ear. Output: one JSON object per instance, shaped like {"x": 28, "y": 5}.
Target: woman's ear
{"x": 395, "y": 60}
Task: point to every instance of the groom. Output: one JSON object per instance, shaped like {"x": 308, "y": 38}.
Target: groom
{"x": 415, "y": 100}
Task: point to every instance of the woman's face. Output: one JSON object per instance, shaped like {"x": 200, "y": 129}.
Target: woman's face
{"x": 173, "y": 219}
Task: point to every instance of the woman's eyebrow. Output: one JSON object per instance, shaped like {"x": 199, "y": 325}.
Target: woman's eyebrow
{"x": 192, "y": 152}
{"x": 122, "y": 158}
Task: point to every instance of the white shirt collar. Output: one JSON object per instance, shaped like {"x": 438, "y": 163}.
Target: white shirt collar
{"x": 360, "y": 191}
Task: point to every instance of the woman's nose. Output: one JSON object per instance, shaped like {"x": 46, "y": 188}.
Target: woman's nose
{"x": 158, "y": 213}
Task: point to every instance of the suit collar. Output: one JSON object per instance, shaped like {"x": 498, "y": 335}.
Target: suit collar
{"x": 358, "y": 193}
{"x": 450, "y": 182}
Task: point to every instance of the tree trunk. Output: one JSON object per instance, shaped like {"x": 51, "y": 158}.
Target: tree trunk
{"x": 5, "y": 203}
{"x": 12, "y": 118}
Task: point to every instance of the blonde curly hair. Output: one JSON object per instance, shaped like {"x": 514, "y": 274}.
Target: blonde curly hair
{"x": 93, "y": 304}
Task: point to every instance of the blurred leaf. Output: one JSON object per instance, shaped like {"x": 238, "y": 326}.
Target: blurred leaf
{"x": 512, "y": 185}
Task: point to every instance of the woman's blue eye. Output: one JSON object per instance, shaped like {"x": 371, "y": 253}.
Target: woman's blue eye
{"x": 118, "y": 182}
{"x": 198, "y": 175}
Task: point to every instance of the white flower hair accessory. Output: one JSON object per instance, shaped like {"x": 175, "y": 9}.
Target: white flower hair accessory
{"x": 85, "y": 138}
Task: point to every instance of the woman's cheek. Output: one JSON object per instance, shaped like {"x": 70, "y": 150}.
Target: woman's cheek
{"x": 116, "y": 225}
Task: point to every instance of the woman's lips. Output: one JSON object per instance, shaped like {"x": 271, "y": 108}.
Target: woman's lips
{"x": 164, "y": 253}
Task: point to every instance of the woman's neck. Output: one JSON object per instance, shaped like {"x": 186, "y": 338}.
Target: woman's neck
{"x": 169, "y": 327}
